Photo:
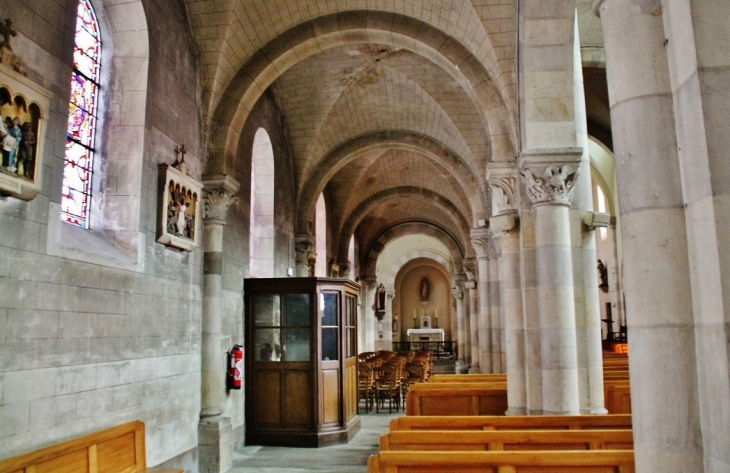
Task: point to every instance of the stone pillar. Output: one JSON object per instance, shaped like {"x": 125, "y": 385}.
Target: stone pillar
{"x": 502, "y": 180}
{"x": 480, "y": 242}
{"x": 657, "y": 285}
{"x": 587, "y": 302}
{"x": 550, "y": 177}
{"x": 369, "y": 320}
{"x": 384, "y": 328}
{"x": 470, "y": 268}
{"x": 306, "y": 257}
{"x": 461, "y": 335}
{"x": 215, "y": 434}
{"x": 699, "y": 71}
{"x": 496, "y": 314}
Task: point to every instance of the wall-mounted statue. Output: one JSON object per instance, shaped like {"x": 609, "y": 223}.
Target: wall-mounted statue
{"x": 425, "y": 289}
{"x": 603, "y": 274}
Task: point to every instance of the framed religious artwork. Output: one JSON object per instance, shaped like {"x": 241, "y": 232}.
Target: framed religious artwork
{"x": 24, "y": 106}
{"x": 179, "y": 210}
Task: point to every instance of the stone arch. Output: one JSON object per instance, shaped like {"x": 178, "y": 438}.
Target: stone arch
{"x": 311, "y": 37}
{"x": 348, "y": 228}
{"x": 401, "y": 229}
{"x": 399, "y": 139}
{"x": 410, "y": 256}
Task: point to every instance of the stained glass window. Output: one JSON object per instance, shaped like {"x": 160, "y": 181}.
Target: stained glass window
{"x": 78, "y": 163}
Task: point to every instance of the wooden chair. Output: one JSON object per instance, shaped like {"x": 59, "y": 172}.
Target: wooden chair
{"x": 387, "y": 386}
{"x": 366, "y": 384}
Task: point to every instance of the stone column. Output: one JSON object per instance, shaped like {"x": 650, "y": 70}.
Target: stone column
{"x": 215, "y": 434}
{"x": 306, "y": 257}
{"x": 496, "y": 314}
{"x": 344, "y": 269}
{"x": 369, "y": 320}
{"x": 657, "y": 283}
{"x": 470, "y": 268}
{"x": 461, "y": 335}
{"x": 480, "y": 242}
{"x": 587, "y": 303}
{"x": 550, "y": 177}
{"x": 384, "y": 328}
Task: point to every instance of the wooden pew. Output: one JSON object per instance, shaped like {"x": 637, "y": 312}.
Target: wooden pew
{"x": 451, "y": 399}
{"x": 587, "y": 422}
{"x": 603, "y": 461}
{"x": 469, "y": 440}
{"x": 467, "y": 378}
{"x": 617, "y": 396}
{"x": 119, "y": 449}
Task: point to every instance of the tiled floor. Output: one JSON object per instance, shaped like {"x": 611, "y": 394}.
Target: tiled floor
{"x": 347, "y": 458}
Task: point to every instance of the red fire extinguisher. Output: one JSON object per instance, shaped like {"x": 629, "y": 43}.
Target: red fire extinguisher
{"x": 235, "y": 367}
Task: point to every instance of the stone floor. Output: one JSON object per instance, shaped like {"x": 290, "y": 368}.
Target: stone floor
{"x": 347, "y": 458}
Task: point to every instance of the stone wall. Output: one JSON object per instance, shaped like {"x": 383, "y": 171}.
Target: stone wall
{"x": 95, "y": 330}
{"x": 236, "y": 235}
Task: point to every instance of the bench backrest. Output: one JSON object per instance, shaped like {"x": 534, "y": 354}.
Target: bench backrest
{"x": 117, "y": 450}
{"x": 620, "y": 421}
{"x": 448, "y": 440}
{"x": 614, "y": 461}
{"x": 466, "y": 400}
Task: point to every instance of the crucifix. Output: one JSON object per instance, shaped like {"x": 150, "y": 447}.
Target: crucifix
{"x": 7, "y": 30}
{"x": 180, "y": 163}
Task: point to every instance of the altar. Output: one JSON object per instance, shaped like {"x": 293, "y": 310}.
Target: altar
{"x": 425, "y": 334}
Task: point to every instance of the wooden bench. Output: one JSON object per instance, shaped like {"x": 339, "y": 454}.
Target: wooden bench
{"x": 468, "y": 378}
{"x": 587, "y": 422}
{"x": 469, "y": 440}
{"x": 453, "y": 399}
{"x": 617, "y": 396}
{"x": 117, "y": 450}
{"x": 599, "y": 461}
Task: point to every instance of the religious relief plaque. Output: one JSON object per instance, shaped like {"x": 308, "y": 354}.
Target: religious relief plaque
{"x": 179, "y": 213}
{"x": 24, "y": 106}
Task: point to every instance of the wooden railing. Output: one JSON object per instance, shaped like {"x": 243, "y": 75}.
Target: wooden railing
{"x": 444, "y": 350}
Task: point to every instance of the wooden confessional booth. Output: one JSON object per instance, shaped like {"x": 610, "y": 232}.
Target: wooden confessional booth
{"x": 301, "y": 361}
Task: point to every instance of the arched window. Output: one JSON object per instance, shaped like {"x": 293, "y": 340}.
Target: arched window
{"x": 261, "y": 248}
{"x": 320, "y": 229}
{"x": 81, "y": 130}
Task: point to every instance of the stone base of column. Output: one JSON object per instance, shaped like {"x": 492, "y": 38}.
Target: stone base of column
{"x": 516, "y": 411}
{"x": 215, "y": 445}
{"x": 594, "y": 410}
{"x": 474, "y": 369}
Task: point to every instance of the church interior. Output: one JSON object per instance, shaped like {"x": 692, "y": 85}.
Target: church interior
{"x": 210, "y": 208}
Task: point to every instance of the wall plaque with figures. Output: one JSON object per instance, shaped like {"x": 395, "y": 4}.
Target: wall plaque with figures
{"x": 179, "y": 214}
{"x": 23, "y": 109}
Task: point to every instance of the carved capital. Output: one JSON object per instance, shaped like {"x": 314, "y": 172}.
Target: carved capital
{"x": 304, "y": 249}
{"x": 470, "y": 268}
{"x": 550, "y": 175}
{"x": 502, "y": 178}
{"x": 344, "y": 269}
{"x": 219, "y": 193}
{"x": 480, "y": 241}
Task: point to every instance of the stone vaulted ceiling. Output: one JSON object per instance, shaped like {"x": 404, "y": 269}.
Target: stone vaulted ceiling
{"x": 393, "y": 109}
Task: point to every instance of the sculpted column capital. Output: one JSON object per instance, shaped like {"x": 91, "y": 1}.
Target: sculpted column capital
{"x": 550, "y": 175}
{"x": 470, "y": 268}
{"x": 502, "y": 179}
{"x": 304, "y": 252}
{"x": 480, "y": 241}
{"x": 219, "y": 193}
